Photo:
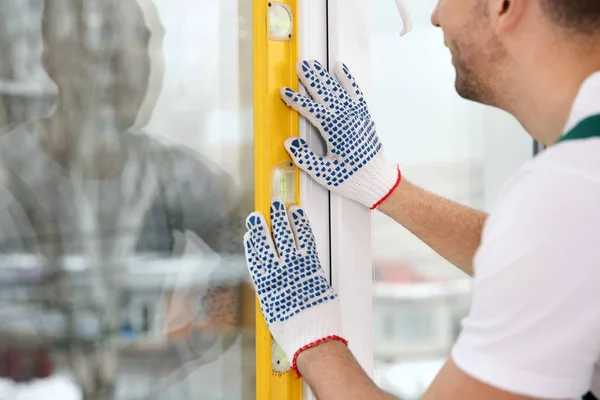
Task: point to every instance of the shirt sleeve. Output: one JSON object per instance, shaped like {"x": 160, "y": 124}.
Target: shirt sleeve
{"x": 534, "y": 325}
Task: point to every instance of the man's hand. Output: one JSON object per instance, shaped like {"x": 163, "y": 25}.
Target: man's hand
{"x": 299, "y": 306}
{"x": 354, "y": 166}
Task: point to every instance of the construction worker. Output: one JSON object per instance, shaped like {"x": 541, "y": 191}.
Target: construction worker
{"x": 533, "y": 331}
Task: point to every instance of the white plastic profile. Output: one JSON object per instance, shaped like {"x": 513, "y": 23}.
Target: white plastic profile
{"x": 405, "y": 15}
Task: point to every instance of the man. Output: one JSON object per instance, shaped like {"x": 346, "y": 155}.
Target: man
{"x": 533, "y": 331}
{"x": 81, "y": 183}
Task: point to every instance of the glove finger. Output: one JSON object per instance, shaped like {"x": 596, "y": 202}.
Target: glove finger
{"x": 282, "y": 231}
{"x": 309, "y": 77}
{"x": 333, "y": 85}
{"x": 316, "y": 113}
{"x": 252, "y": 260}
{"x": 322, "y": 169}
{"x": 305, "y": 240}
{"x": 347, "y": 81}
{"x": 302, "y": 155}
{"x": 262, "y": 241}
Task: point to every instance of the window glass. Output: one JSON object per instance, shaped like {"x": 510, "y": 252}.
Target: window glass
{"x": 455, "y": 148}
{"x": 125, "y": 150}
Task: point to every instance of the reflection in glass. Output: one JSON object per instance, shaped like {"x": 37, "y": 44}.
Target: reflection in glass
{"x": 124, "y": 187}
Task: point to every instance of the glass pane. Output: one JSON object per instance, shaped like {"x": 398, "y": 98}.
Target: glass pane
{"x": 455, "y": 148}
{"x": 127, "y": 153}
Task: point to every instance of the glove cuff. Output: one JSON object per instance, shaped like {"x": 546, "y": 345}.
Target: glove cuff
{"x": 374, "y": 182}
{"x": 308, "y": 329}
{"x": 385, "y": 187}
{"x": 313, "y": 344}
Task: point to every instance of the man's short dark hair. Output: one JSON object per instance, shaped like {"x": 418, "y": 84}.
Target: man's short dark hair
{"x": 577, "y": 16}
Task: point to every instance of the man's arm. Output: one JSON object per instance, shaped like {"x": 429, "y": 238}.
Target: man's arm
{"x": 330, "y": 367}
{"x": 452, "y": 383}
{"x": 333, "y": 373}
{"x": 451, "y": 229}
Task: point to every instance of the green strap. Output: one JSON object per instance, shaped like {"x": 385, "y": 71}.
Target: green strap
{"x": 589, "y": 127}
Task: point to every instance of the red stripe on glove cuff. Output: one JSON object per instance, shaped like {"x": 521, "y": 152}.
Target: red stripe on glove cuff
{"x": 313, "y": 344}
{"x": 390, "y": 192}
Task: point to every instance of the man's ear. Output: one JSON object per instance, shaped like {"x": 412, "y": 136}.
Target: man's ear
{"x": 508, "y": 14}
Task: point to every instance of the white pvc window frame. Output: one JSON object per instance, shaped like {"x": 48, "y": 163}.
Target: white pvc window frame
{"x": 329, "y": 32}
{"x": 312, "y": 31}
{"x": 332, "y": 31}
{"x": 351, "y": 250}
{"x": 312, "y": 44}
{"x": 342, "y": 228}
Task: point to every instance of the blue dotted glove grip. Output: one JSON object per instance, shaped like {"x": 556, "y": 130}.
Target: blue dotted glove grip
{"x": 354, "y": 165}
{"x": 295, "y": 298}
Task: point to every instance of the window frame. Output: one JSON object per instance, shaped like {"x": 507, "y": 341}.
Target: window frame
{"x": 314, "y": 198}
{"x": 351, "y": 248}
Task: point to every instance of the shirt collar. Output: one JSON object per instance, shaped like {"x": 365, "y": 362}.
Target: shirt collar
{"x": 587, "y": 102}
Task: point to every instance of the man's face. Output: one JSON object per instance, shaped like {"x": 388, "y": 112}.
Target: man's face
{"x": 477, "y": 55}
{"x": 99, "y": 60}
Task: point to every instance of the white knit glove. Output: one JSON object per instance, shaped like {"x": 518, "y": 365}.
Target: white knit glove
{"x": 354, "y": 166}
{"x": 300, "y": 307}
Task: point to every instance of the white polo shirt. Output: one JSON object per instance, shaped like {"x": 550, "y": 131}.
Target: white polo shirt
{"x": 534, "y": 325}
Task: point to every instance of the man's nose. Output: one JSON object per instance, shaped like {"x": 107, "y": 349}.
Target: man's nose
{"x": 435, "y": 17}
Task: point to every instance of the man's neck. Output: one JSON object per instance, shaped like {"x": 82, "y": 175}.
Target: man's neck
{"x": 544, "y": 106}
